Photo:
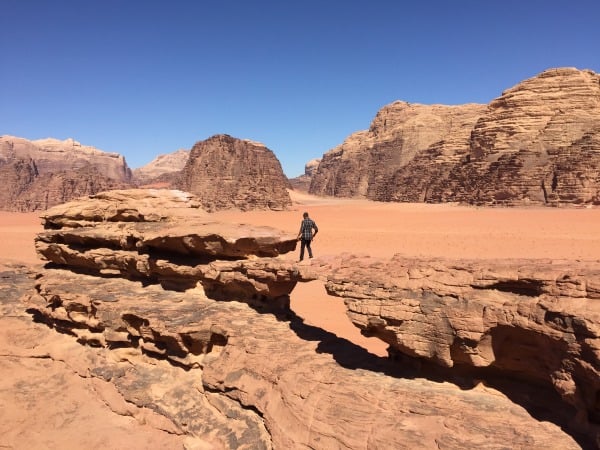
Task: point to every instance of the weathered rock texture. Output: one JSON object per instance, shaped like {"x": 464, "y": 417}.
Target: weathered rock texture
{"x": 220, "y": 356}
{"x": 538, "y": 321}
{"x": 226, "y": 172}
{"x": 40, "y": 174}
{"x": 537, "y": 143}
{"x": 162, "y": 169}
{"x": 52, "y": 155}
{"x": 365, "y": 163}
{"x": 302, "y": 182}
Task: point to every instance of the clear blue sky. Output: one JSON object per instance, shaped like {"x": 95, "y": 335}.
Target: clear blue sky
{"x": 143, "y": 78}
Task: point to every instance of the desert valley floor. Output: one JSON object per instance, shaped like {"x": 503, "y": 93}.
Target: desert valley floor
{"x": 377, "y": 229}
{"x": 345, "y": 226}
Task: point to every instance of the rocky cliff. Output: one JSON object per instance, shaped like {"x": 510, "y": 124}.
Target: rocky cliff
{"x": 191, "y": 319}
{"x": 302, "y": 182}
{"x": 227, "y": 172}
{"x": 40, "y": 174}
{"x": 52, "y": 156}
{"x": 223, "y": 171}
{"x": 537, "y": 143}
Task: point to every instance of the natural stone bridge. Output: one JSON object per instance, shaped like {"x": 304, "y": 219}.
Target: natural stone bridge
{"x": 147, "y": 274}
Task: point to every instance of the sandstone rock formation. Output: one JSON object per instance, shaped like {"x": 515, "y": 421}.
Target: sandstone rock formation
{"x": 53, "y": 156}
{"x": 535, "y": 144}
{"x": 538, "y": 321}
{"x": 363, "y": 165}
{"x": 162, "y": 169}
{"x": 190, "y": 319}
{"x": 40, "y": 174}
{"x": 302, "y": 182}
{"x": 226, "y": 172}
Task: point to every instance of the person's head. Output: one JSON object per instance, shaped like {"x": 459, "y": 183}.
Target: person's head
{"x": 305, "y": 215}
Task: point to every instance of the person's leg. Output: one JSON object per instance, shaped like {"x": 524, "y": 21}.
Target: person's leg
{"x": 309, "y": 249}
{"x": 302, "y": 244}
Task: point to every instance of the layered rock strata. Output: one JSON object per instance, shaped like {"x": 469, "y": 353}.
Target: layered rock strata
{"x": 166, "y": 240}
{"x": 224, "y": 361}
{"x": 252, "y": 382}
{"x": 40, "y": 174}
{"x": 227, "y": 172}
{"x": 535, "y": 144}
{"x": 363, "y": 165}
{"x": 537, "y": 321}
{"x": 53, "y": 156}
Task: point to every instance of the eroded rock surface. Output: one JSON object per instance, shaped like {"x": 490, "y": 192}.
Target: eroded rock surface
{"x": 227, "y": 172}
{"x": 538, "y": 321}
{"x": 535, "y": 144}
{"x": 164, "y": 168}
{"x": 190, "y": 319}
{"x": 365, "y": 163}
{"x": 256, "y": 381}
{"x": 40, "y": 174}
{"x": 302, "y": 182}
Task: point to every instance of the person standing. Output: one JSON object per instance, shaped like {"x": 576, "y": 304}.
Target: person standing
{"x": 306, "y": 235}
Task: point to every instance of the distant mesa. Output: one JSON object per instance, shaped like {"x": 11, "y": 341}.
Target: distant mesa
{"x": 538, "y": 143}
{"x": 43, "y": 173}
{"x": 302, "y": 182}
{"x": 162, "y": 169}
{"x": 226, "y": 172}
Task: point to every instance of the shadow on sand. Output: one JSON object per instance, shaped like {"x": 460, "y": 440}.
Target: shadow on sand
{"x": 543, "y": 404}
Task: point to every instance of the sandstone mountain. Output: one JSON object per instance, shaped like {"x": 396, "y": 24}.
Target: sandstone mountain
{"x": 162, "y": 169}
{"x": 190, "y": 319}
{"x": 537, "y": 143}
{"x": 52, "y": 156}
{"x": 302, "y": 182}
{"x": 223, "y": 171}
{"x": 363, "y": 165}
{"x": 226, "y": 172}
{"x": 43, "y": 173}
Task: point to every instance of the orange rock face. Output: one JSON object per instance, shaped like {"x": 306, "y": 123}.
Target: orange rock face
{"x": 533, "y": 320}
{"x": 535, "y": 144}
{"x": 190, "y": 319}
{"x": 226, "y": 172}
{"x": 41, "y": 174}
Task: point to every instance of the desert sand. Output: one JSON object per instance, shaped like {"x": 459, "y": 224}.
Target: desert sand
{"x": 363, "y": 227}
{"x": 345, "y": 226}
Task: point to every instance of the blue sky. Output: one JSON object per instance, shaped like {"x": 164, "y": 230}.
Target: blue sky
{"x": 143, "y": 78}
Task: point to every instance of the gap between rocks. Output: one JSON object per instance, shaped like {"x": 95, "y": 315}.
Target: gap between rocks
{"x": 311, "y": 302}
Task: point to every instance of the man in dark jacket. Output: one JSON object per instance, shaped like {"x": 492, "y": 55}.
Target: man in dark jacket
{"x": 306, "y": 234}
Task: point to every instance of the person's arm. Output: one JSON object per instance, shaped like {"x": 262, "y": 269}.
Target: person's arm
{"x": 316, "y": 230}
{"x": 299, "y": 232}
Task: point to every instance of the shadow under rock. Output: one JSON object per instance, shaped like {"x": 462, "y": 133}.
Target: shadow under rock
{"x": 346, "y": 353}
{"x": 543, "y": 404}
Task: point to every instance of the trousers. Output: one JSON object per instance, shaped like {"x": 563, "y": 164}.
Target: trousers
{"x": 305, "y": 243}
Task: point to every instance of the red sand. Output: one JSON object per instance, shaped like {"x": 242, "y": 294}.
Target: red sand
{"x": 354, "y": 226}
{"x": 382, "y": 230}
